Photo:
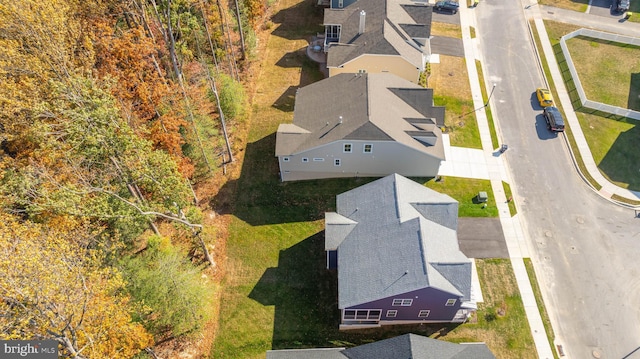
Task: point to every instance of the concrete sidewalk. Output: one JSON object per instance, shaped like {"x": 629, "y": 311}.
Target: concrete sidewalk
{"x": 513, "y": 232}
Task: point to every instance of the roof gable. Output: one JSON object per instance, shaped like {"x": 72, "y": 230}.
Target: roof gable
{"x": 360, "y": 107}
{"x": 390, "y": 25}
{"x": 393, "y": 247}
{"x": 418, "y": 347}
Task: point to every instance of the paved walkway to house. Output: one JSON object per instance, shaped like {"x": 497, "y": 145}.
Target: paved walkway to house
{"x": 463, "y": 162}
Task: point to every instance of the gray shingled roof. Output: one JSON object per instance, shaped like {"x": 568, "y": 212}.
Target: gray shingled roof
{"x": 405, "y": 239}
{"x": 411, "y": 346}
{"x": 376, "y": 107}
{"x": 407, "y": 346}
{"x": 392, "y": 27}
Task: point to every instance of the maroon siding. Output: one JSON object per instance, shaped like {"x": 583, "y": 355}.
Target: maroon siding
{"x": 423, "y": 299}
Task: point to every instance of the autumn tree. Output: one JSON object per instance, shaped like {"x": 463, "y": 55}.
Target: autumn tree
{"x": 91, "y": 164}
{"x": 53, "y": 285}
{"x": 170, "y": 287}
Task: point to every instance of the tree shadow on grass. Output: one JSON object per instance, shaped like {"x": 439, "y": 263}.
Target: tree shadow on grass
{"x": 258, "y": 197}
{"x": 622, "y": 162}
{"x": 634, "y": 93}
{"x": 300, "y": 21}
{"x": 305, "y": 296}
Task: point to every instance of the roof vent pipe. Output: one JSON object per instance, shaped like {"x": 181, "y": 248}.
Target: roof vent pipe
{"x": 362, "y": 18}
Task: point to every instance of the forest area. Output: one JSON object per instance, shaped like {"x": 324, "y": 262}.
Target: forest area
{"x": 118, "y": 119}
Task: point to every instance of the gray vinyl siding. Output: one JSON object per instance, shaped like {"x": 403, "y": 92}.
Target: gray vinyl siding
{"x": 386, "y": 158}
{"x": 431, "y": 299}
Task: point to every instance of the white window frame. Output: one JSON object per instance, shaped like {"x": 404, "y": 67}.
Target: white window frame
{"x": 318, "y": 159}
{"x": 347, "y": 148}
{"x": 392, "y": 313}
{"x": 285, "y": 159}
{"x": 424, "y": 313}
{"x": 305, "y": 159}
{"x": 364, "y": 148}
{"x": 362, "y": 314}
{"x": 337, "y": 162}
{"x": 451, "y": 302}
{"x": 402, "y": 302}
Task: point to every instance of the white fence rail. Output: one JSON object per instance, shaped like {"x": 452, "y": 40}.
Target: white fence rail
{"x": 598, "y": 106}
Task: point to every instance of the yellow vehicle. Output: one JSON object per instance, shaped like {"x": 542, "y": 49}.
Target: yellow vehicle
{"x": 544, "y": 97}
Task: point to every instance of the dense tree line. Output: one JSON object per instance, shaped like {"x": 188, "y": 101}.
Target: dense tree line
{"x": 111, "y": 113}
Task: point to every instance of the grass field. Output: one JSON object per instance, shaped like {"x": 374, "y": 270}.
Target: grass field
{"x": 450, "y": 83}
{"x": 609, "y": 72}
{"x": 444, "y": 29}
{"x": 575, "y": 5}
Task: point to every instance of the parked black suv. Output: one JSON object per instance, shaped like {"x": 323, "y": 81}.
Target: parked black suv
{"x": 449, "y": 5}
{"x": 621, "y": 5}
{"x": 554, "y": 119}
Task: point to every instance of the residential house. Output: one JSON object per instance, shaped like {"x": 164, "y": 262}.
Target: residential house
{"x": 394, "y": 245}
{"x": 377, "y": 36}
{"x": 361, "y": 125}
{"x": 404, "y": 346}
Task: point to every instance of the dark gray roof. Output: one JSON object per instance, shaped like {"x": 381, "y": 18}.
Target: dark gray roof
{"x": 411, "y": 346}
{"x": 392, "y": 27}
{"x": 376, "y": 107}
{"x": 407, "y": 346}
{"x": 404, "y": 240}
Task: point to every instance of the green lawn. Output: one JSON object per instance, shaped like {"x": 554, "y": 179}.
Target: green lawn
{"x": 575, "y": 5}
{"x": 485, "y": 98}
{"x": 609, "y": 72}
{"x": 465, "y": 190}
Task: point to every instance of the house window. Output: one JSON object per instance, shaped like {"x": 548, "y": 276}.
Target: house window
{"x": 451, "y": 302}
{"x": 333, "y": 32}
{"x": 368, "y": 148}
{"x": 362, "y": 314}
{"x": 305, "y": 159}
{"x": 402, "y": 302}
{"x": 349, "y": 314}
{"x": 346, "y": 148}
{"x": 424, "y": 313}
{"x": 340, "y": 3}
{"x": 318, "y": 160}
{"x": 336, "y": 162}
{"x": 285, "y": 159}
{"x": 392, "y": 313}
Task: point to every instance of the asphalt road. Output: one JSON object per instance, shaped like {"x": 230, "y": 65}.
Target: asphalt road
{"x": 586, "y": 250}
